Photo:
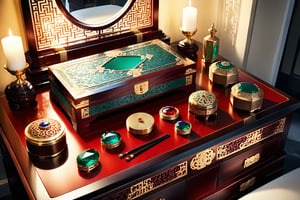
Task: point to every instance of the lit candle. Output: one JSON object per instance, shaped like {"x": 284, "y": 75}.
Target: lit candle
{"x": 14, "y": 52}
{"x": 189, "y": 18}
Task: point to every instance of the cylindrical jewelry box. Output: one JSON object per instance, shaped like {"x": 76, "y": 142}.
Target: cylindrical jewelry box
{"x": 111, "y": 140}
{"x": 45, "y": 138}
{"x": 183, "y": 127}
{"x": 203, "y": 103}
{"x": 140, "y": 123}
{"x": 223, "y": 73}
{"x": 246, "y": 96}
{"x": 169, "y": 113}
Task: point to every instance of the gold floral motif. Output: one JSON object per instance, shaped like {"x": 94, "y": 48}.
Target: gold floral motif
{"x": 156, "y": 181}
{"x": 202, "y": 159}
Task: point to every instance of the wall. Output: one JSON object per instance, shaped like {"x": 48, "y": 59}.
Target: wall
{"x": 10, "y": 18}
{"x": 170, "y": 17}
{"x": 272, "y": 19}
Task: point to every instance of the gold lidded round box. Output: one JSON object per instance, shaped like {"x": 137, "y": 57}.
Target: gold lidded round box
{"x": 246, "y": 96}
{"x": 223, "y": 73}
{"x": 203, "y": 103}
{"x": 169, "y": 113}
{"x": 45, "y": 137}
{"x": 140, "y": 123}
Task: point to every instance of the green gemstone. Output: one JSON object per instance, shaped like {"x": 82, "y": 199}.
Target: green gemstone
{"x": 110, "y": 138}
{"x": 88, "y": 158}
{"x": 248, "y": 88}
{"x": 224, "y": 65}
{"x": 182, "y": 125}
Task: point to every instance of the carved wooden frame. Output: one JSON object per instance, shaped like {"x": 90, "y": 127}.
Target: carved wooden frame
{"x": 53, "y": 37}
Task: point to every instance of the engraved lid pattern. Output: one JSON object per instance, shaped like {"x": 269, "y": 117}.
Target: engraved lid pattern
{"x": 203, "y": 98}
{"x": 248, "y": 91}
{"x": 44, "y": 130}
{"x": 223, "y": 67}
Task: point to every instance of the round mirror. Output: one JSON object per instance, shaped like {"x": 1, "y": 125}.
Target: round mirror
{"x": 94, "y": 13}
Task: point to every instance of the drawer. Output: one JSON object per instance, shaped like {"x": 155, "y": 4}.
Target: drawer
{"x": 192, "y": 188}
{"x": 202, "y": 184}
{"x": 261, "y": 153}
{"x": 254, "y": 179}
{"x": 173, "y": 191}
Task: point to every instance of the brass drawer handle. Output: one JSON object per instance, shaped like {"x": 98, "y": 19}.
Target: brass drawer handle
{"x": 247, "y": 184}
{"x": 251, "y": 160}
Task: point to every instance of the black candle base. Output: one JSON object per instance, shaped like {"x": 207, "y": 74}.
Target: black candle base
{"x": 189, "y": 50}
{"x": 20, "y": 96}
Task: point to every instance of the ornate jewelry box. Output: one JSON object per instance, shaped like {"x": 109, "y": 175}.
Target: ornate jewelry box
{"x": 223, "y": 73}
{"x": 91, "y": 86}
{"x": 246, "y": 96}
{"x": 203, "y": 104}
{"x": 45, "y": 138}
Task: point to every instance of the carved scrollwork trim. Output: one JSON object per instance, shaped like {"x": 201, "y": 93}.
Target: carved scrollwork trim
{"x": 202, "y": 159}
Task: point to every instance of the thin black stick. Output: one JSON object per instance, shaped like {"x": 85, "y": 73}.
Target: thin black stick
{"x": 122, "y": 155}
{"x": 155, "y": 142}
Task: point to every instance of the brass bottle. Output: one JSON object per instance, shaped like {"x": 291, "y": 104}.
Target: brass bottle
{"x": 210, "y": 45}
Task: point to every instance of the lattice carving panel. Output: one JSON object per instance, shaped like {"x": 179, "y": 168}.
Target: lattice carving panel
{"x": 53, "y": 29}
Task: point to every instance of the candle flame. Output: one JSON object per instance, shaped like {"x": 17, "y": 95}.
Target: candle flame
{"x": 9, "y": 32}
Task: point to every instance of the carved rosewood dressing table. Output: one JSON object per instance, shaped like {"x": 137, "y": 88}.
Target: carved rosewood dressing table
{"x": 223, "y": 157}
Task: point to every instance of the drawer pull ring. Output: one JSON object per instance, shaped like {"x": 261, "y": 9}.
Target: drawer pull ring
{"x": 251, "y": 160}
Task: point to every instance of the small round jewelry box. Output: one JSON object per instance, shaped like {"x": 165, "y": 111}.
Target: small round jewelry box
{"x": 223, "y": 73}
{"x": 203, "y": 103}
{"x": 45, "y": 137}
{"x": 246, "y": 96}
{"x": 140, "y": 123}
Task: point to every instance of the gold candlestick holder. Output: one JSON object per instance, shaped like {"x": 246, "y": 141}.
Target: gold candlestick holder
{"x": 187, "y": 46}
{"x": 20, "y": 93}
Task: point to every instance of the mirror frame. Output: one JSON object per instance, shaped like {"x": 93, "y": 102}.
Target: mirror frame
{"x": 90, "y": 26}
{"x": 53, "y": 37}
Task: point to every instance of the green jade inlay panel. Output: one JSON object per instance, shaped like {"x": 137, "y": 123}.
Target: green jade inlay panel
{"x": 88, "y": 158}
{"x": 128, "y": 99}
{"x": 208, "y": 50}
{"x": 125, "y": 100}
{"x": 224, "y": 65}
{"x": 248, "y": 88}
{"x": 120, "y": 63}
{"x": 215, "y": 52}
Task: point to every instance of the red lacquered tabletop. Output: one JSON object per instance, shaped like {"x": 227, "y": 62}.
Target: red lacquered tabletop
{"x": 61, "y": 175}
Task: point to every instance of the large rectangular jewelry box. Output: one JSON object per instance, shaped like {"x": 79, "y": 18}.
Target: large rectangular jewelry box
{"x": 95, "y": 85}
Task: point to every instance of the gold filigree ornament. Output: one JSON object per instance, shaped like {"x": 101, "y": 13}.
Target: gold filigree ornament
{"x": 135, "y": 72}
{"x": 202, "y": 159}
{"x": 114, "y": 53}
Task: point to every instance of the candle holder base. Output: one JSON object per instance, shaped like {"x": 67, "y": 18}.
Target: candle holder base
{"x": 189, "y": 50}
{"x": 20, "y": 93}
{"x": 187, "y": 46}
{"x": 20, "y": 96}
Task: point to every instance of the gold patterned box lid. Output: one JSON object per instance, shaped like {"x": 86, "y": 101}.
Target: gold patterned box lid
{"x": 93, "y": 74}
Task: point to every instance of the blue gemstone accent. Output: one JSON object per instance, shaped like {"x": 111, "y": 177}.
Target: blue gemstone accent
{"x": 44, "y": 124}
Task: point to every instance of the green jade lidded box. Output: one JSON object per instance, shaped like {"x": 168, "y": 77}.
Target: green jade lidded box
{"x": 95, "y": 85}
